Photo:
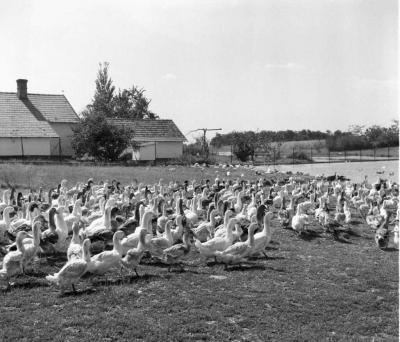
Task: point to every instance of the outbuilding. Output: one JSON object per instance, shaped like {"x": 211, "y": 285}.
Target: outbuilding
{"x": 154, "y": 139}
{"x": 35, "y": 124}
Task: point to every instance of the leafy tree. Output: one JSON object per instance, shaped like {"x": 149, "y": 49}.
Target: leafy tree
{"x": 103, "y": 101}
{"x": 133, "y": 104}
{"x": 97, "y": 137}
{"x": 244, "y": 145}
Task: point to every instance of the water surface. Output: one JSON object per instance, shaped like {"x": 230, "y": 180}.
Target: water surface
{"x": 353, "y": 170}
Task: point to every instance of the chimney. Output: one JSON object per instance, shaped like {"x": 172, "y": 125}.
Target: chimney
{"x": 22, "y": 89}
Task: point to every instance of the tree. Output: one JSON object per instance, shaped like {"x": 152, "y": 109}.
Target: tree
{"x": 133, "y": 104}
{"x": 97, "y": 137}
{"x": 244, "y": 145}
{"x": 103, "y": 101}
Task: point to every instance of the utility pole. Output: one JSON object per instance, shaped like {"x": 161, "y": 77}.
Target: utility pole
{"x": 205, "y": 145}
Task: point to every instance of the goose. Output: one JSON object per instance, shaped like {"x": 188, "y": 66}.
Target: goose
{"x": 239, "y": 204}
{"x": 300, "y": 220}
{"x": 285, "y": 214}
{"x": 75, "y": 247}
{"x": 174, "y": 254}
{"x": 31, "y": 245}
{"x": 178, "y": 231}
{"x": 309, "y": 205}
{"x": 62, "y": 231}
{"x": 104, "y": 261}
{"x": 382, "y": 233}
{"x": 73, "y": 270}
{"x": 237, "y": 253}
{"x": 242, "y": 216}
{"x": 75, "y": 215}
{"x": 13, "y": 261}
{"x": 132, "y": 240}
{"x": 207, "y": 249}
{"x": 24, "y": 223}
{"x": 396, "y": 234}
{"x": 130, "y": 225}
{"x": 205, "y": 230}
{"x": 6, "y": 199}
{"x": 162, "y": 220}
{"x": 5, "y": 224}
{"x": 133, "y": 257}
{"x": 347, "y": 212}
{"x": 263, "y": 238}
{"x": 157, "y": 245}
{"x": 50, "y": 236}
{"x": 191, "y": 214}
{"x": 277, "y": 200}
{"x": 220, "y": 231}
{"x": 102, "y": 230}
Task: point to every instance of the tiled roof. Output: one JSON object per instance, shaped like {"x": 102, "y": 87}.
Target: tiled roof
{"x": 152, "y": 129}
{"x": 31, "y": 117}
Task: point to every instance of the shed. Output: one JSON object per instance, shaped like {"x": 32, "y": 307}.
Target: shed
{"x": 154, "y": 139}
{"x": 35, "y": 124}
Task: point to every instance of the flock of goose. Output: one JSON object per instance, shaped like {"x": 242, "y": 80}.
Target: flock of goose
{"x": 104, "y": 227}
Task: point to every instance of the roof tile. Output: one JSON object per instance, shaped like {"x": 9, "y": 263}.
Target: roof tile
{"x": 31, "y": 117}
{"x": 151, "y": 129}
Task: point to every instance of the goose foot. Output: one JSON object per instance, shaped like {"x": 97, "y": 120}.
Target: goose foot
{"x": 137, "y": 274}
{"x": 73, "y": 288}
{"x": 265, "y": 254}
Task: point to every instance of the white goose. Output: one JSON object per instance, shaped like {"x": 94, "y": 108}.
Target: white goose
{"x": 73, "y": 270}
{"x": 134, "y": 256}
{"x": 104, "y": 261}
{"x": 132, "y": 240}
{"x": 208, "y": 248}
{"x": 5, "y": 224}
{"x": 263, "y": 238}
{"x": 13, "y": 261}
{"x": 236, "y": 253}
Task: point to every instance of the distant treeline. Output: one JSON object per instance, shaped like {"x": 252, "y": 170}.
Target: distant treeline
{"x": 357, "y": 137}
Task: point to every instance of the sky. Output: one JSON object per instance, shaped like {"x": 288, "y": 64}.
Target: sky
{"x": 230, "y": 64}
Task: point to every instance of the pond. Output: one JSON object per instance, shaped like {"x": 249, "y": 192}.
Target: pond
{"x": 354, "y": 170}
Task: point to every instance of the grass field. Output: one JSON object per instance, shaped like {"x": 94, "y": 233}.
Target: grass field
{"x": 308, "y": 290}
{"x": 25, "y": 176}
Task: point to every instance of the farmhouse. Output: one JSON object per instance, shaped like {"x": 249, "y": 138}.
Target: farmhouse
{"x": 35, "y": 124}
{"x": 154, "y": 139}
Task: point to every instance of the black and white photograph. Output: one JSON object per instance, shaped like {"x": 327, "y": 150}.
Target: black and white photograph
{"x": 199, "y": 170}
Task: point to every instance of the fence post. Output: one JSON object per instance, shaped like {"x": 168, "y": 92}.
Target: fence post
{"x": 22, "y": 149}
{"x": 274, "y": 156}
{"x": 59, "y": 149}
{"x": 345, "y": 155}
{"x": 231, "y": 154}
{"x": 374, "y": 153}
{"x": 329, "y": 156}
{"x": 360, "y": 154}
{"x": 293, "y": 156}
{"x": 388, "y": 152}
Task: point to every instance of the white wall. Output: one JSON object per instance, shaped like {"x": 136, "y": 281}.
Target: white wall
{"x": 64, "y": 130}
{"x": 31, "y": 146}
{"x": 169, "y": 149}
{"x": 163, "y": 149}
{"x": 145, "y": 152}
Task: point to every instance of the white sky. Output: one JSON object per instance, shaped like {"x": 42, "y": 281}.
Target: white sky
{"x": 231, "y": 64}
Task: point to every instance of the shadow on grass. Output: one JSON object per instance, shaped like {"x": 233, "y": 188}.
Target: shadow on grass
{"x": 127, "y": 279}
{"x": 30, "y": 284}
{"x": 309, "y": 235}
{"x": 390, "y": 249}
{"x": 244, "y": 267}
{"x": 78, "y": 293}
